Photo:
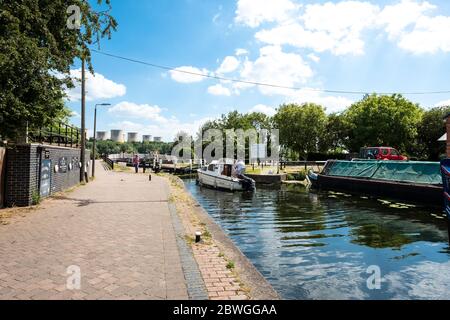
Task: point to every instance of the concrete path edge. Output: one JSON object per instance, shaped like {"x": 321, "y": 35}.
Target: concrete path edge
{"x": 194, "y": 281}
{"x": 260, "y": 288}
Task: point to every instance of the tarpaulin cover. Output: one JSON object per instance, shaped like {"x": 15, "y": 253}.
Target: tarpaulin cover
{"x": 400, "y": 171}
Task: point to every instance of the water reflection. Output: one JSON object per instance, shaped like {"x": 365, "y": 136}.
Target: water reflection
{"x": 318, "y": 245}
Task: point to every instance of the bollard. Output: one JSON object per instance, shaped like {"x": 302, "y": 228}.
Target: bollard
{"x": 149, "y": 177}
{"x": 198, "y": 237}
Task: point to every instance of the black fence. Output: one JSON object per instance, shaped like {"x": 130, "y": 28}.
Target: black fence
{"x": 109, "y": 162}
{"x": 59, "y": 134}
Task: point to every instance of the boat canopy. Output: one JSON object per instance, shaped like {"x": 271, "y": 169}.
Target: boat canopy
{"x": 223, "y": 161}
{"x": 399, "y": 171}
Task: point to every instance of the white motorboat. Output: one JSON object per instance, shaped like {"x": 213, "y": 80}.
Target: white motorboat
{"x": 219, "y": 175}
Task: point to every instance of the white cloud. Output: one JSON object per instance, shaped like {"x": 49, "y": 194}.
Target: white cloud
{"x": 295, "y": 35}
{"x": 219, "y": 90}
{"x": 238, "y": 86}
{"x": 334, "y": 27}
{"x": 396, "y": 18}
{"x": 188, "y": 74}
{"x": 167, "y": 132}
{"x": 97, "y": 87}
{"x": 216, "y": 17}
{"x": 127, "y": 109}
{"x": 264, "y": 109}
{"x": 443, "y": 103}
{"x": 276, "y": 66}
{"x": 254, "y": 12}
{"x": 314, "y": 57}
{"x": 75, "y": 114}
{"x": 331, "y": 103}
{"x": 228, "y": 65}
{"x": 340, "y": 27}
{"x": 241, "y": 52}
{"x": 343, "y": 23}
{"x": 429, "y": 35}
{"x": 410, "y": 24}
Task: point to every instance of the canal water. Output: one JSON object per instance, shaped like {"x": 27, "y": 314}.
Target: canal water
{"x": 327, "y": 245}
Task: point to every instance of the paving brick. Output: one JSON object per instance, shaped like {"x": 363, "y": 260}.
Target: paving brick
{"x": 117, "y": 229}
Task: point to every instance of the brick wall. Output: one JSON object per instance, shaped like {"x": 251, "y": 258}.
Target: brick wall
{"x": 23, "y": 171}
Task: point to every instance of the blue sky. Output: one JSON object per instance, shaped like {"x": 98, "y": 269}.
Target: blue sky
{"x": 384, "y": 46}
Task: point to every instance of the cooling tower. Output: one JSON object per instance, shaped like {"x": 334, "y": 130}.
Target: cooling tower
{"x": 132, "y": 137}
{"x": 101, "y": 135}
{"x": 117, "y": 136}
{"x": 146, "y": 138}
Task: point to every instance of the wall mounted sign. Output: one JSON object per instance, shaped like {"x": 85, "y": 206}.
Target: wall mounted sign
{"x": 75, "y": 161}
{"x": 63, "y": 165}
{"x": 46, "y": 154}
{"x": 46, "y": 178}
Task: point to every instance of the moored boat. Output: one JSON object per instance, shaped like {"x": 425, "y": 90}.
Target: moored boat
{"x": 405, "y": 180}
{"x": 219, "y": 175}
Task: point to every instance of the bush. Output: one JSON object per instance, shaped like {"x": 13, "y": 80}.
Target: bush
{"x": 297, "y": 176}
{"x": 35, "y": 198}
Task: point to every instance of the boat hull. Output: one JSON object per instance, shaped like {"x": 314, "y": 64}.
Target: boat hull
{"x": 430, "y": 194}
{"x": 219, "y": 182}
{"x": 224, "y": 182}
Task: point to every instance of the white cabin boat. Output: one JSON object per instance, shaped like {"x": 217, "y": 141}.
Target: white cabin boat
{"x": 218, "y": 175}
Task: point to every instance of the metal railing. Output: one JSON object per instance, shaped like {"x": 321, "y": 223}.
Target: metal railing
{"x": 59, "y": 134}
{"x": 109, "y": 162}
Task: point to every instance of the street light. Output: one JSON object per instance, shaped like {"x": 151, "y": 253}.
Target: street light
{"x": 95, "y": 135}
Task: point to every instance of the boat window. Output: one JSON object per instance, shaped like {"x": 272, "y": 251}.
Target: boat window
{"x": 211, "y": 167}
{"x": 385, "y": 152}
{"x": 226, "y": 170}
{"x": 394, "y": 152}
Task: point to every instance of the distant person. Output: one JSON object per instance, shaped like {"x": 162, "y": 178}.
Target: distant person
{"x": 136, "y": 163}
{"x": 240, "y": 168}
{"x": 233, "y": 170}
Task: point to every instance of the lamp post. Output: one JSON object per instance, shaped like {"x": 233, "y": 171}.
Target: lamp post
{"x": 95, "y": 135}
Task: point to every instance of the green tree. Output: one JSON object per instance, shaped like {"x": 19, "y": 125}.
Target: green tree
{"x": 380, "y": 120}
{"x": 127, "y": 148}
{"x": 37, "y": 49}
{"x": 334, "y": 137}
{"x": 430, "y": 129}
{"x": 301, "y": 127}
{"x": 235, "y": 120}
{"x": 107, "y": 147}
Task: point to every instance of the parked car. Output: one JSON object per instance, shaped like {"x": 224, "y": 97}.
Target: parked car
{"x": 381, "y": 153}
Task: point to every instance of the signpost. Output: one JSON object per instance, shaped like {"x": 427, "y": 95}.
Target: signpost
{"x": 62, "y": 164}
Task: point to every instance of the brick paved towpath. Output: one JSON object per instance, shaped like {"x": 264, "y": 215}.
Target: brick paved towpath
{"x": 118, "y": 230}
